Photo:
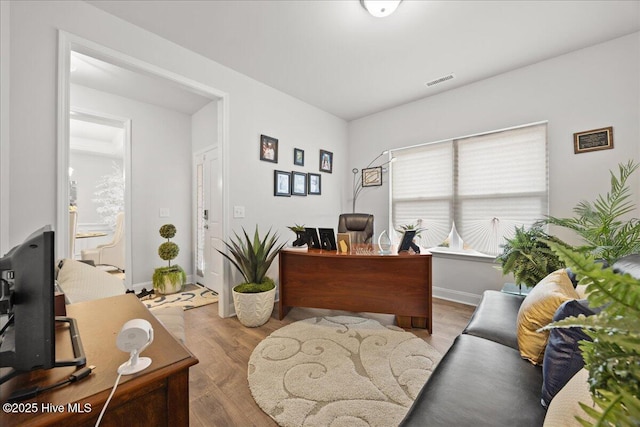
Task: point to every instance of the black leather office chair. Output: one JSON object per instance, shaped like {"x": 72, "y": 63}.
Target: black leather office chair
{"x": 358, "y": 225}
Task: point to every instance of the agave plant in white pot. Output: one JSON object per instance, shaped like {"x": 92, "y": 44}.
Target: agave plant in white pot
{"x": 253, "y": 299}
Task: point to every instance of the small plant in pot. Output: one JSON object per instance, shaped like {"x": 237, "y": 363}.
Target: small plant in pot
{"x": 254, "y": 298}
{"x": 169, "y": 279}
{"x": 301, "y": 235}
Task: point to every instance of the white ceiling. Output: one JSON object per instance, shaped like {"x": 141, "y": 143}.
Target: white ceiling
{"x": 334, "y": 55}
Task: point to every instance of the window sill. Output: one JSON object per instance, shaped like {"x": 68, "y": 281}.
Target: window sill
{"x": 466, "y": 255}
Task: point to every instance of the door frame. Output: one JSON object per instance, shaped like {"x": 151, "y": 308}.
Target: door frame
{"x": 68, "y": 42}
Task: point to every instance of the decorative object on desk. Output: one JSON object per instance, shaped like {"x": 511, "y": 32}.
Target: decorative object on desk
{"x": 384, "y": 243}
{"x": 604, "y": 224}
{"x": 407, "y": 242}
{"x": 253, "y": 299}
{"x": 298, "y": 157}
{"x": 192, "y": 296}
{"x": 528, "y": 256}
{"x": 312, "y": 238}
{"x": 299, "y": 184}
{"x": 344, "y": 243}
{"x": 593, "y": 140}
{"x": 328, "y": 370}
{"x": 327, "y": 239}
{"x": 326, "y": 161}
{"x": 281, "y": 183}
{"x": 268, "y": 149}
{"x": 170, "y": 279}
{"x": 314, "y": 183}
{"x": 372, "y": 178}
{"x": 301, "y": 235}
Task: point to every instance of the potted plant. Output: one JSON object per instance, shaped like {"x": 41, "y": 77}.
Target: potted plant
{"x": 528, "y": 256}
{"x": 301, "y": 235}
{"x": 170, "y": 279}
{"x": 254, "y": 298}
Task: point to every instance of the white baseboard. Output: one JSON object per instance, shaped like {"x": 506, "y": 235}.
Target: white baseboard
{"x": 456, "y": 296}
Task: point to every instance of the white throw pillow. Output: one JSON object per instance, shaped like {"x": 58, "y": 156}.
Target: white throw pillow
{"x": 83, "y": 282}
{"x": 565, "y": 405}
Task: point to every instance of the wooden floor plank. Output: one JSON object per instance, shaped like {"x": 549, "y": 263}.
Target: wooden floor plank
{"x": 219, "y": 394}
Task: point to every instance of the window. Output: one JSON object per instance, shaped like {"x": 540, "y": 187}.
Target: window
{"x": 483, "y": 186}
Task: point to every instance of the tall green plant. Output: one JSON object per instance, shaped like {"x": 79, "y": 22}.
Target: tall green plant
{"x": 601, "y": 225}
{"x": 528, "y": 257}
{"x": 253, "y": 257}
{"x": 613, "y": 357}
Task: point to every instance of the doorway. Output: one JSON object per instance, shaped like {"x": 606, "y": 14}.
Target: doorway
{"x": 69, "y": 43}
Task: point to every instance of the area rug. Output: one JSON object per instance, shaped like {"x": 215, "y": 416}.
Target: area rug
{"x": 339, "y": 371}
{"x": 191, "y": 297}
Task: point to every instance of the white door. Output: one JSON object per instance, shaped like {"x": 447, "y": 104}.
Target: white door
{"x": 209, "y": 262}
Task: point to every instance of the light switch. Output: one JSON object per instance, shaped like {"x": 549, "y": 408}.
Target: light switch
{"x": 164, "y": 212}
{"x": 238, "y": 211}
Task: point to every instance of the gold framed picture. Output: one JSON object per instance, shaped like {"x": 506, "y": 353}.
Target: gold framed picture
{"x": 593, "y": 140}
{"x": 372, "y": 177}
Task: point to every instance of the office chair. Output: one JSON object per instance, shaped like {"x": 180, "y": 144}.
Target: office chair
{"x": 358, "y": 225}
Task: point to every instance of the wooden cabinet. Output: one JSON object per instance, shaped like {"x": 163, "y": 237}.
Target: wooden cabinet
{"x": 157, "y": 396}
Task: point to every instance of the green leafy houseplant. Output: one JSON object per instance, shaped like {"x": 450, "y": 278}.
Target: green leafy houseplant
{"x": 301, "y": 237}
{"x": 173, "y": 274}
{"x": 252, "y": 258}
{"x": 528, "y": 256}
{"x": 613, "y": 357}
{"x": 601, "y": 225}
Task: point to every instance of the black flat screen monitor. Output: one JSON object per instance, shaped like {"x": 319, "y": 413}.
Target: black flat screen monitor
{"x": 327, "y": 239}
{"x": 312, "y": 238}
{"x": 27, "y": 308}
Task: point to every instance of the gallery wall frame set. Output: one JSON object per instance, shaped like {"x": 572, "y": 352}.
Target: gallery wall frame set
{"x": 268, "y": 149}
{"x": 593, "y": 140}
{"x": 296, "y": 183}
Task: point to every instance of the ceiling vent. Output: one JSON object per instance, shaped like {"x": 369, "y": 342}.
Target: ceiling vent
{"x": 441, "y": 80}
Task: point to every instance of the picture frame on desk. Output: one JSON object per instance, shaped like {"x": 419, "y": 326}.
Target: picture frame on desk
{"x": 327, "y": 239}
{"x": 344, "y": 243}
{"x": 312, "y": 238}
{"x": 407, "y": 240}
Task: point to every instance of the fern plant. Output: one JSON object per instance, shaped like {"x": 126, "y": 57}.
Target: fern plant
{"x": 528, "y": 256}
{"x": 252, "y": 257}
{"x": 613, "y": 357}
{"x": 601, "y": 225}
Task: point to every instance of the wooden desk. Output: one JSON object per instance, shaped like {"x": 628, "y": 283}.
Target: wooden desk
{"x": 157, "y": 396}
{"x": 395, "y": 284}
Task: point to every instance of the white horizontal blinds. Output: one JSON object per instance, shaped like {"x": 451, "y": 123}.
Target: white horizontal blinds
{"x": 501, "y": 183}
{"x": 422, "y": 189}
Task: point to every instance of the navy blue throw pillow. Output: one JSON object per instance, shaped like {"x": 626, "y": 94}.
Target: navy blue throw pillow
{"x": 562, "y": 356}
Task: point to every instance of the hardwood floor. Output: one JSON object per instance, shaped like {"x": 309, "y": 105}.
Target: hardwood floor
{"x": 218, "y": 391}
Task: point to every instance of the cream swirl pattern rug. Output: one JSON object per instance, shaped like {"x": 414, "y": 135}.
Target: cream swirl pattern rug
{"x": 339, "y": 371}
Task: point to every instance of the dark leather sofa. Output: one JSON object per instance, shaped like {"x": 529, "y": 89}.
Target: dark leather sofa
{"x": 482, "y": 380}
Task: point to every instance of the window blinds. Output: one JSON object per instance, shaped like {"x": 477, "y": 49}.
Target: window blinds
{"x": 486, "y": 184}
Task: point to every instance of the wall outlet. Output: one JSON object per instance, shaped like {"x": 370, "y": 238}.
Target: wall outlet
{"x": 164, "y": 212}
{"x": 238, "y": 211}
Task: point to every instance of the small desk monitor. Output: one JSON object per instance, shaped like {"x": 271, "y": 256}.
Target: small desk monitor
{"x": 327, "y": 239}
{"x": 312, "y": 238}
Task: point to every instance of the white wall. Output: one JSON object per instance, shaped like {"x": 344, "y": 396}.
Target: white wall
{"x": 204, "y": 127}
{"x": 160, "y": 175}
{"x": 254, "y": 108}
{"x": 5, "y": 37}
{"x": 586, "y": 89}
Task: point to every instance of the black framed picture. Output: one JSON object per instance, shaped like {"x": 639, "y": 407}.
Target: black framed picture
{"x": 298, "y": 184}
{"x": 407, "y": 239}
{"x": 281, "y": 183}
{"x": 326, "y": 161}
{"x": 372, "y": 177}
{"x": 268, "y": 149}
{"x": 314, "y": 181}
{"x": 298, "y": 157}
{"x": 327, "y": 239}
{"x": 312, "y": 238}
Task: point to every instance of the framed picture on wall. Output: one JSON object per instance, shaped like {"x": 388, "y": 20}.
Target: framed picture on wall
{"x": 268, "y": 149}
{"x": 281, "y": 183}
{"x": 326, "y": 161}
{"x": 314, "y": 183}
{"x": 593, "y": 140}
{"x": 372, "y": 177}
{"x": 298, "y": 157}
{"x": 299, "y": 184}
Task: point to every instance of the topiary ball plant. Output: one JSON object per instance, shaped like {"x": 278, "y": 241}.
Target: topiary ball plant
{"x": 171, "y": 274}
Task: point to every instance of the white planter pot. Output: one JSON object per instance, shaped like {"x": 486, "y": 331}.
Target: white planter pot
{"x": 254, "y": 309}
{"x": 169, "y": 288}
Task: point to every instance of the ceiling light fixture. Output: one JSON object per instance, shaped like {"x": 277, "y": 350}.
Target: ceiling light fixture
{"x": 380, "y": 8}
